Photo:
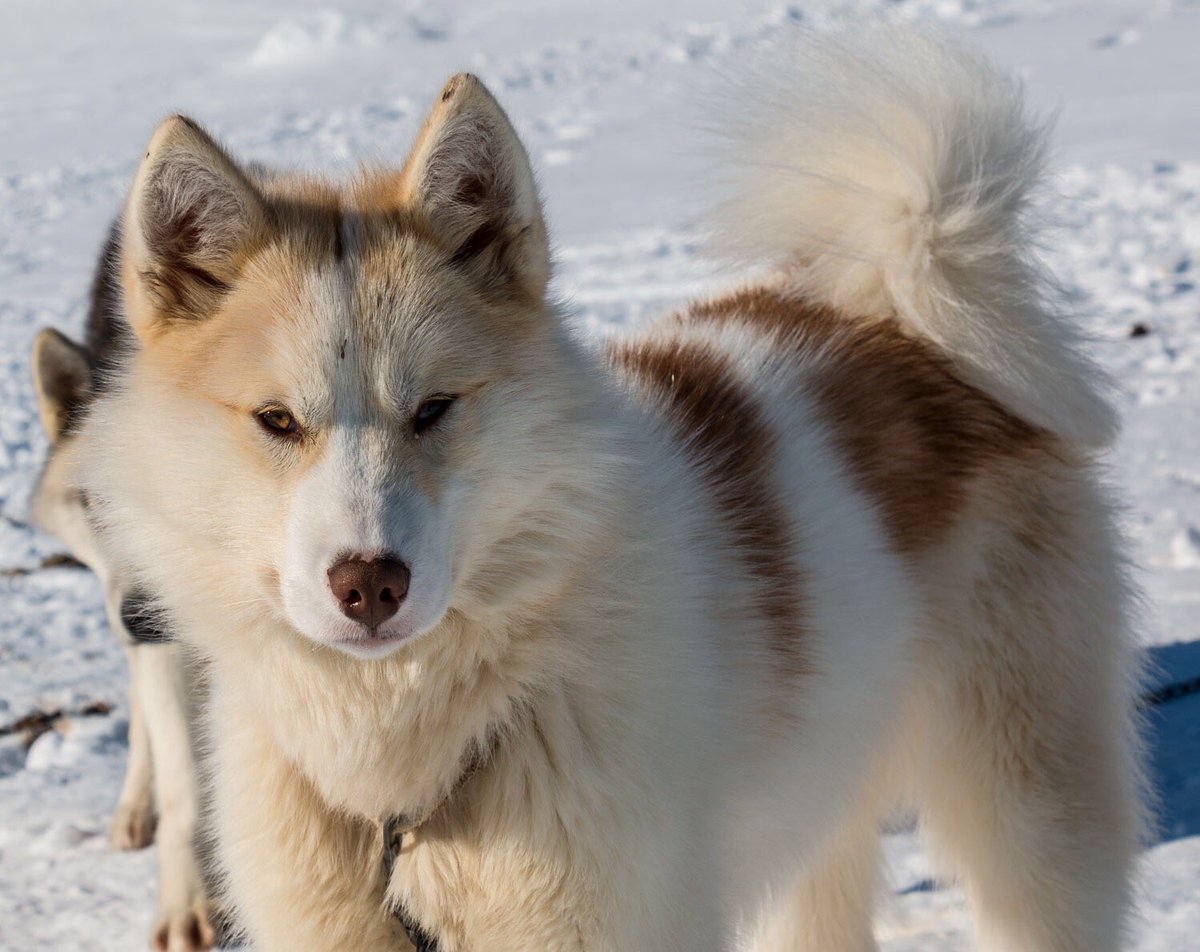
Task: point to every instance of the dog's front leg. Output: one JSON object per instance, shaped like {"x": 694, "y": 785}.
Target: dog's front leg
{"x": 164, "y": 692}
{"x": 132, "y": 825}
{"x": 301, "y": 876}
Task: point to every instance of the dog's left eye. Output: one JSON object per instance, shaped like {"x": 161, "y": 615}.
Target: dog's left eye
{"x": 430, "y": 412}
{"x": 278, "y": 421}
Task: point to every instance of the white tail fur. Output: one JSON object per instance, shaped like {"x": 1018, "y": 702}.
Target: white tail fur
{"x": 889, "y": 172}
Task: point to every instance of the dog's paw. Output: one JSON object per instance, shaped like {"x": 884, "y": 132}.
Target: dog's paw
{"x": 183, "y": 930}
{"x": 132, "y": 826}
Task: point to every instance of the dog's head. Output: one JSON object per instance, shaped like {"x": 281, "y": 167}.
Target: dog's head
{"x": 64, "y": 378}
{"x": 341, "y": 410}
{"x": 63, "y": 381}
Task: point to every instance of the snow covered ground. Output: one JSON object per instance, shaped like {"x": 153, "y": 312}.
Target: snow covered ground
{"x": 600, "y": 93}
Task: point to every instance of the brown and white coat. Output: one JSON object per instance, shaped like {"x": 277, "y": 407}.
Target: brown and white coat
{"x": 715, "y": 598}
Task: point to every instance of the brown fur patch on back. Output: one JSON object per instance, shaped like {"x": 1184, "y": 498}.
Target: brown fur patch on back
{"x": 914, "y": 435}
{"x": 723, "y": 431}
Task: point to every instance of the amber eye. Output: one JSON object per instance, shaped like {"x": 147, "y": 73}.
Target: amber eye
{"x": 278, "y": 421}
{"x": 430, "y": 412}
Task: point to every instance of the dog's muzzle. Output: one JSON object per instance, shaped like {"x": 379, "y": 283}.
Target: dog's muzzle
{"x": 145, "y": 621}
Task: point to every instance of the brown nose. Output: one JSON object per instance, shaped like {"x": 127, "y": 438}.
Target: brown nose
{"x": 369, "y": 592}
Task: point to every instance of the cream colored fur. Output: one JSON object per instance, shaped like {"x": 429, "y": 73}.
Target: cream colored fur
{"x": 578, "y": 612}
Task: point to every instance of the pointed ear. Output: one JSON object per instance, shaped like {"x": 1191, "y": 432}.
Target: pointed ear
{"x": 62, "y": 380}
{"x": 193, "y": 216}
{"x": 469, "y": 176}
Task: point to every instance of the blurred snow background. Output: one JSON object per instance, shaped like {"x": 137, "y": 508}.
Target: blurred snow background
{"x": 600, "y": 93}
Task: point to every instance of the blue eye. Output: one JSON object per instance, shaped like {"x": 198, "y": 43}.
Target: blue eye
{"x": 430, "y": 412}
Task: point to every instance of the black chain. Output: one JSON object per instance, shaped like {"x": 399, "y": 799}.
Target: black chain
{"x": 1171, "y": 692}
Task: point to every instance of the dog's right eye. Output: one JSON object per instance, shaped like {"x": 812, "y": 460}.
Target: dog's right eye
{"x": 430, "y": 412}
{"x": 278, "y": 421}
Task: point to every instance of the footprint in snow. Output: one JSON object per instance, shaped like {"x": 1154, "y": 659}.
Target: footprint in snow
{"x": 1185, "y": 548}
{"x": 1121, "y": 38}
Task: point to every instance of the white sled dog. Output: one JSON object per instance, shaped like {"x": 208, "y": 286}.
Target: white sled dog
{"x": 160, "y": 795}
{"x": 541, "y": 646}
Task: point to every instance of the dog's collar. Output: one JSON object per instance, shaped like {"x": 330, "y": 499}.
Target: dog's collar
{"x": 396, "y": 827}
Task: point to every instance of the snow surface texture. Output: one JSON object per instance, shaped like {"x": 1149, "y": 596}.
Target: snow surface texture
{"x": 599, "y": 92}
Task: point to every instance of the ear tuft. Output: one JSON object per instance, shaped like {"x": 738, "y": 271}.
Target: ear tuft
{"x": 62, "y": 380}
{"x": 455, "y": 84}
{"x": 470, "y": 177}
{"x": 192, "y": 216}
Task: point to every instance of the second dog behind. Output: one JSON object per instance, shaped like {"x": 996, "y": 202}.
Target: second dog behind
{"x": 160, "y": 798}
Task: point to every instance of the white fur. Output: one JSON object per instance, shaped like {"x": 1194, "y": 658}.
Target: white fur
{"x": 890, "y": 171}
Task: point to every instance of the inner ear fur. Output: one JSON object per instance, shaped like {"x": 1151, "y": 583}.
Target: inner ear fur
{"x": 62, "y": 380}
{"x": 469, "y": 176}
{"x": 193, "y": 217}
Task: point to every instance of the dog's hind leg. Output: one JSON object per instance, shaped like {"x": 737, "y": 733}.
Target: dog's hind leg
{"x": 830, "y": 908}
{"x": 1030, "y": 786}
{"x": 132, "y": 825}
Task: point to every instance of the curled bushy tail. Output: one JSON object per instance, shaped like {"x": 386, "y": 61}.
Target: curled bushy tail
{"x": 888, "y": 172}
